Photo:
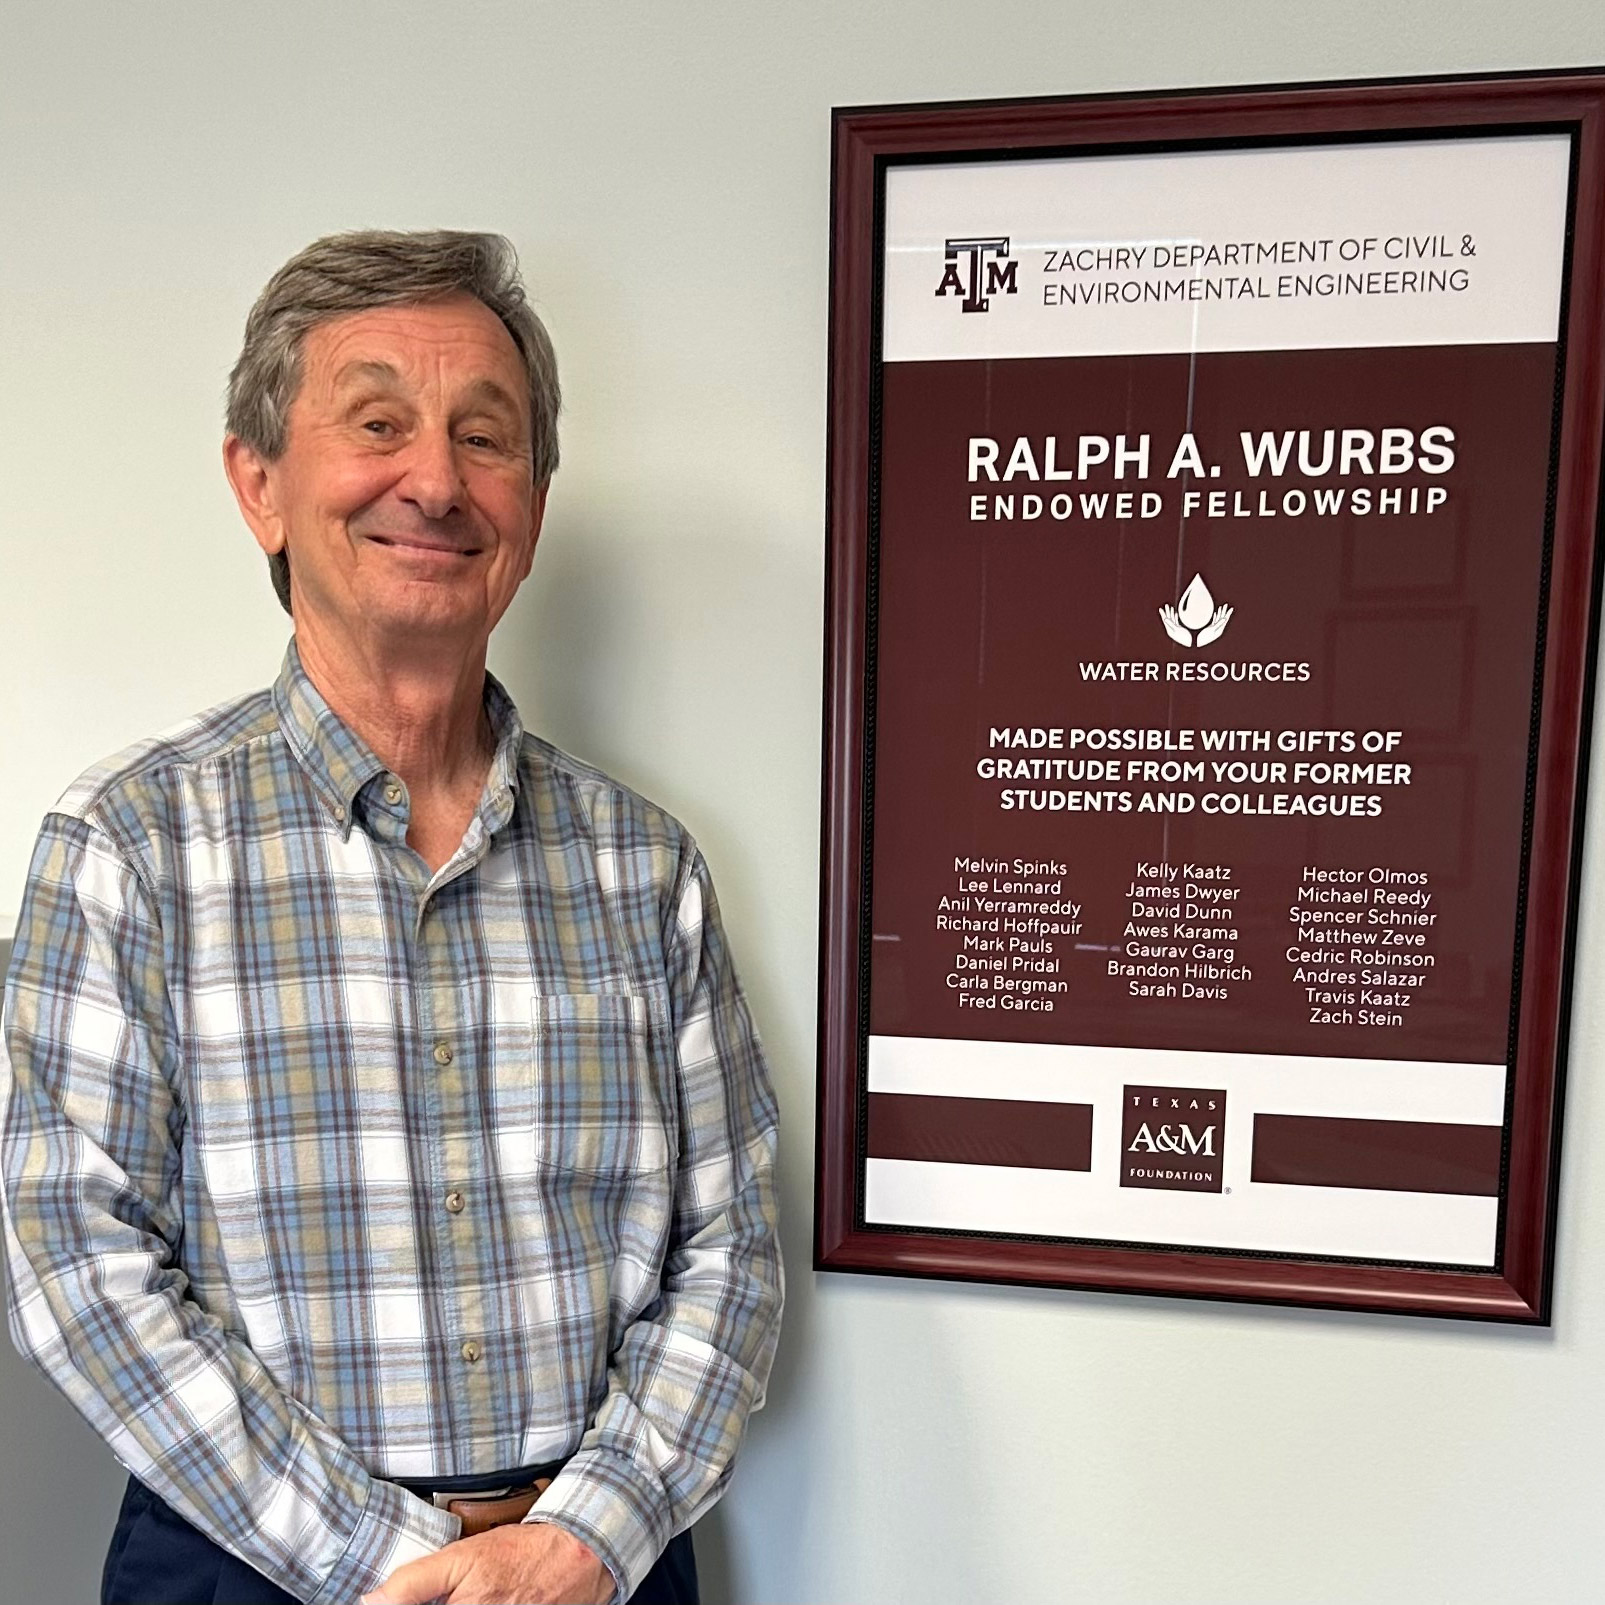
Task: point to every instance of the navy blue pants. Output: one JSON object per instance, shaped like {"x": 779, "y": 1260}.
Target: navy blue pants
{"x": 158, "y": 1558}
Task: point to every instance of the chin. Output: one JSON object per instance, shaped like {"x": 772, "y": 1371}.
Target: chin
{"x": 426, "y": 611}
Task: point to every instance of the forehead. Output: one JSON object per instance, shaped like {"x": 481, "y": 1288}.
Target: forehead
{"x": 457, "y": 341}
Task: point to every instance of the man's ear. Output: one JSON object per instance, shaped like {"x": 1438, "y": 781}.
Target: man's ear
{"x": 251, "y": 479}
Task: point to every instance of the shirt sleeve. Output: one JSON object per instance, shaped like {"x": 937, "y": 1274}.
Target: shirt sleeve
{"x": 686, "y": 1376}
{"x": 91, "y": 1150}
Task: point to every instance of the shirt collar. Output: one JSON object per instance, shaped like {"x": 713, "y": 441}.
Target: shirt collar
{"x": 340, "y": 763}
{"x": 501, "y": 785}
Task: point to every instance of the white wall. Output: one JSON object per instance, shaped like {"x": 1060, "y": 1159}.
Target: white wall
{"x": 664, "y": 171}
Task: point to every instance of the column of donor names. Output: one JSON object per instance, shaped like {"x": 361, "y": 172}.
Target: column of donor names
{"x": 1010, "y": 922}
{"x": 1361, "y": 943}
{"x": 1181, "y": 935}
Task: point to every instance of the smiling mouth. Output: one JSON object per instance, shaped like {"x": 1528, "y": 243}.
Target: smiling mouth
{"x": 403, "y": 543}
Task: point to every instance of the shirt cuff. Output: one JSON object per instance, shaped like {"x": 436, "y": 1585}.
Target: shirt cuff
{"x": 395, "y": 1527}
{"x": 601, "y": 1499}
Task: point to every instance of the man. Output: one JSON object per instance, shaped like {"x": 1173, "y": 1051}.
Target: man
{"x": 382, "y": 1118}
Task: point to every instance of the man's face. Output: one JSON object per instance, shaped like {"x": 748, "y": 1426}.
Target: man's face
{"x": 404, "y": 494}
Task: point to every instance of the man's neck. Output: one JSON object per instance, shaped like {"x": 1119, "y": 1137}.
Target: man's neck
{"x": 423, "y": 715}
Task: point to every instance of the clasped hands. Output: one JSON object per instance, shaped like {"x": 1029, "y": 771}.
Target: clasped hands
{"x": 523, "y": 1563}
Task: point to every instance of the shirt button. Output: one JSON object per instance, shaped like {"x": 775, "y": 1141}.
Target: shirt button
{"x": 340, "y": 814}
{"x": 392, "y": 793}
{"x": 471, "y": 1351}
{"x": 443, "y": 1054}
{"x": 454, "y": 1202}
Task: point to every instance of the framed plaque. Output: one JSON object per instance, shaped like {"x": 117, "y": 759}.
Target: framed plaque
{"x": 1214, "y": 486}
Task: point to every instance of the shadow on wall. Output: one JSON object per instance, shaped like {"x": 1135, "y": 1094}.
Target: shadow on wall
{"x": 683, "y": 658}
{"x": 779, "y": 1500}
{"x": 817, "y": 1476}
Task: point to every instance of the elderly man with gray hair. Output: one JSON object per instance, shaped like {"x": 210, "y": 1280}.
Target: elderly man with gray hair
{"x": 387, "y": 1150}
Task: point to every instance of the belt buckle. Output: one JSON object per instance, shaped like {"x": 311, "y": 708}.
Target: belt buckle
{"x": 444, "y": 1501}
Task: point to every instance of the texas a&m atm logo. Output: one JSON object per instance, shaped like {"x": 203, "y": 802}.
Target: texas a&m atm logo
{"x": 988, "y": 270}
{"x": 1171, "y": 1137}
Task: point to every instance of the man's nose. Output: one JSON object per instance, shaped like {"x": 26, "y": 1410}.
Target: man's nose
{"x": 434, "y": 480}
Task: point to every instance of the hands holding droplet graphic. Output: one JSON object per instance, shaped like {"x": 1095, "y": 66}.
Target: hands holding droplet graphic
{"x": 1195, "y": 612}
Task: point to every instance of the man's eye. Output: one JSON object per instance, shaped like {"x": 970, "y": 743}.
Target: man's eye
{"x": 483, "y": 442}
{"x": 382, "y": 427}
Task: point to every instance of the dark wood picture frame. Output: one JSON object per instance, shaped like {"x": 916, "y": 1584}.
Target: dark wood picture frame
{"x": 867, "y": 141}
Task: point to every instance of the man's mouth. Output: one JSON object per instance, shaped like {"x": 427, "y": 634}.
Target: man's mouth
{"x": 419, "y": 543}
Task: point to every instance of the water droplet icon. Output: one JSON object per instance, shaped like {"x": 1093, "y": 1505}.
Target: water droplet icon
{"x": 1197, "y": 606}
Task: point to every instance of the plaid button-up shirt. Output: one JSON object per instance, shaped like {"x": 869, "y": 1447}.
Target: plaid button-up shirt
{"x": 322, "y": 1170}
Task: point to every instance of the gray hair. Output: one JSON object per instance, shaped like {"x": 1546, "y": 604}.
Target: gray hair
{"x": 369, "y": 268}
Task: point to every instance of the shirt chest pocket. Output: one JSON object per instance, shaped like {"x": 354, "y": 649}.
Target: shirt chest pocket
{"x": 602, "y": 1103}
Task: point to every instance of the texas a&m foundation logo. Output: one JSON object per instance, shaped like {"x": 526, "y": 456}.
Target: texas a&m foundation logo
{"x": 988, "y": 270}
{"x": 1171, "y": 1137}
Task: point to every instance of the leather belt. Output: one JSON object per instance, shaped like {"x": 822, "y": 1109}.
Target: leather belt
{"x": 495, "y": 1508}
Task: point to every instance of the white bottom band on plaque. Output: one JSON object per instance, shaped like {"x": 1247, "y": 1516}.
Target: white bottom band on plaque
{"x": 1367, "y": 1222}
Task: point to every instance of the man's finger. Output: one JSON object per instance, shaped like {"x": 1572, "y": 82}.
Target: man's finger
{"x": 419, "y": 1581}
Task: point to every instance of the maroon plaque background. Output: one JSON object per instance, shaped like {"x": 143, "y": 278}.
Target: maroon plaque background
{"x": 1472, "y": 640}
{"x": 1385, "y": 609}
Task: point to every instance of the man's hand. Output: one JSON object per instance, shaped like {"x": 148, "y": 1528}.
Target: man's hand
{"x": 524, "y": 1563}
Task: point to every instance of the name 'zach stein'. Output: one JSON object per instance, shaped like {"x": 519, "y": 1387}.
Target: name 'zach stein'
{"x": 1310, "y": 454}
